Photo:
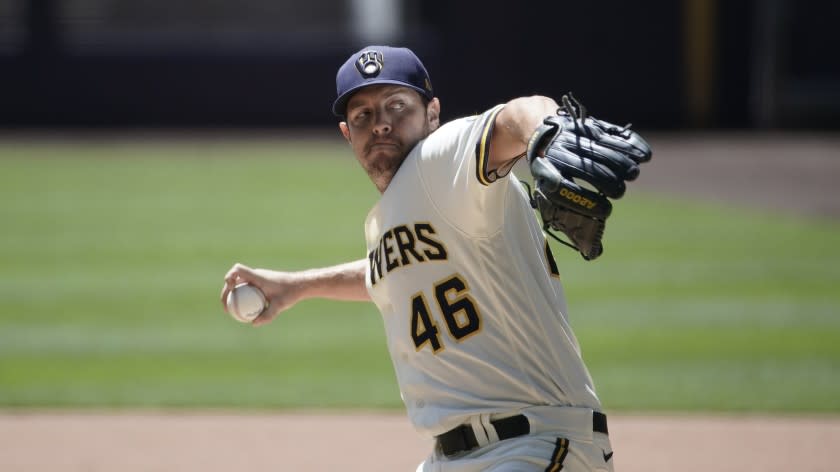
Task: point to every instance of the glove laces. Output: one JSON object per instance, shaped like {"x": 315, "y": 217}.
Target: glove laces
{"x": 576, "y": 110}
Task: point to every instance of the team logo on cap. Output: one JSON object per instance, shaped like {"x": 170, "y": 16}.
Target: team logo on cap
{"x": 370, "y": 63}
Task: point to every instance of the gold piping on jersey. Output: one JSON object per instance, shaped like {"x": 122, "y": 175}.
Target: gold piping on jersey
{"x": 482, "y": 148}
{"x": 559, "y": 455}
{"x": 552, "y": 263}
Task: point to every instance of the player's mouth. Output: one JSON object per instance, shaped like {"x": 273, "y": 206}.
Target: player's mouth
{"x": 383, "y": 145}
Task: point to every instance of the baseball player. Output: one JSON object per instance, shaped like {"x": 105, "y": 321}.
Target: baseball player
{"x": 458, "y": 264}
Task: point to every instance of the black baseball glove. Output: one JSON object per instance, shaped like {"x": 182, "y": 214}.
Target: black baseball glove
{"x": 585, "y": 164}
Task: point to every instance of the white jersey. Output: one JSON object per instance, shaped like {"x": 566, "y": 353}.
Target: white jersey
{"x": 473, "y": 307}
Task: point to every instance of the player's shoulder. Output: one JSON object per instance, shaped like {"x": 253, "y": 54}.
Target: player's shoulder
{"x": 457, "y": 125}
{"x": 472, "y": 120}
{"x": 459, "y": 129}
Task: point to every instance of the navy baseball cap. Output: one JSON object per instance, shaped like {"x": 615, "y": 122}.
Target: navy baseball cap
{"x": 380, "y": 65}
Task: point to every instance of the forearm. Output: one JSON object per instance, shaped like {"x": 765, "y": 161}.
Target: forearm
{"x": 522, "y": 116}
{"x": 515, "y": 124}
{"x": 340, "y": 282}
{"x": 284, "y": 289}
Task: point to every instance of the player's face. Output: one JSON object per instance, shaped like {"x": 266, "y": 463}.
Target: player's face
{"x": 384, "y": 123}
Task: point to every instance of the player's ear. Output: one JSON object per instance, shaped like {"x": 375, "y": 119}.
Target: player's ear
{"x": 345, "y": 131}
{"x": 433, "y": 113}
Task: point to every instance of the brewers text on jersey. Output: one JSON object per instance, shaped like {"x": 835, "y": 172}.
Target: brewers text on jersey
{"x": 400, "y": 244}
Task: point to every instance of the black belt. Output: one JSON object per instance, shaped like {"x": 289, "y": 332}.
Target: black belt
{"x": 462, "y": 438}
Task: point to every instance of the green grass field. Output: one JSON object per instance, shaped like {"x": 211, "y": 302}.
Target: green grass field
{"x": 112, "y": 257}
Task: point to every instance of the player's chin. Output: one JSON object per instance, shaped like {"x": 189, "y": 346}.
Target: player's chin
{"x": 383, "y": 172}
{"x": 386, "y": 159}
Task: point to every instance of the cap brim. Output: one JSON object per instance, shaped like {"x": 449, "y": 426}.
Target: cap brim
{"x": 340, "y": 105}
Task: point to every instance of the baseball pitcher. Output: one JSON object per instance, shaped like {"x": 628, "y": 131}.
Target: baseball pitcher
{"x": 458, "y": 263}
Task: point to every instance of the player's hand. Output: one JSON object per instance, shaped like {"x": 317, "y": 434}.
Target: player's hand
{"x": 279, "y": 288}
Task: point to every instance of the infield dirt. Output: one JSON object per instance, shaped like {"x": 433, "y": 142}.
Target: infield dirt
{"x": 209, "y": 442}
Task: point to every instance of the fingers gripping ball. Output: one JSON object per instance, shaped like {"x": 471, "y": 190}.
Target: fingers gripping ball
{"x": 245, "y": 302}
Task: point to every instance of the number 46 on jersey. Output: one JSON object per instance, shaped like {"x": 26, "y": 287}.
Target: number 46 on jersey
{"x": 454, "y": 304}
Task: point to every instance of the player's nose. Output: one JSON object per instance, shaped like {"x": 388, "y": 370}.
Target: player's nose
{"x": 382, "y": 129}
{"x": 382, "y": 125}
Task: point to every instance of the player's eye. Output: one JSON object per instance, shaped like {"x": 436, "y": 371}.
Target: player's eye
{"x": 398, "y": 105}
{"x": 360, "y": 117}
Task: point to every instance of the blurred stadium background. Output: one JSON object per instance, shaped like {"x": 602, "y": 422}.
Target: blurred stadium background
{"x": 130, "y": 131}
{"x": 666, "y": 64}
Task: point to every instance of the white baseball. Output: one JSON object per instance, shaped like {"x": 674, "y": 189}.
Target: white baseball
{"x": 245, "y": 302}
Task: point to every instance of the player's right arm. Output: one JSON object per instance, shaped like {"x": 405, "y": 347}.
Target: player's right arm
{"x": 284, "y": 289}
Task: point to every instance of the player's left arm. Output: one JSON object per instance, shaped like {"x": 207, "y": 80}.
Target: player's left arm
{"x": 514, "y": 126}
